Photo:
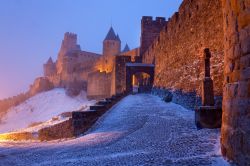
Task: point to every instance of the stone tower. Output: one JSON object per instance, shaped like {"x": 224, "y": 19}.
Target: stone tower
{"x": 111, "y": 48}
{"x": 150, "y": 30}
{"x": 68, "y": 46}
{"x": 111, "y": 44}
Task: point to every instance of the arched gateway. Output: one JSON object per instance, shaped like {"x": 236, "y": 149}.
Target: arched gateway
{"x": 133, "y": 69}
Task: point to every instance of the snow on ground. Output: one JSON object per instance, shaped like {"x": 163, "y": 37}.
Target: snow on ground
{"x": 42, "y": 108}
{"x": 140, "y": 130}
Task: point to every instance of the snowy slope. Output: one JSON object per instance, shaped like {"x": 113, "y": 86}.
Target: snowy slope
{"x": 139, "y": 130}
{"x": 42, "y": 108}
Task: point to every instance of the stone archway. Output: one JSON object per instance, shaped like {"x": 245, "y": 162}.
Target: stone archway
{"x": 133, "y": 68}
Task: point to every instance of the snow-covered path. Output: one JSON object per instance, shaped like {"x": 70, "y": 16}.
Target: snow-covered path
{"x": 140, "y": 130}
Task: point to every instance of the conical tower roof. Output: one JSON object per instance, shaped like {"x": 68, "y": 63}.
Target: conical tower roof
{"x": 50, "y": 61}
{"x": 111, "y": 35}
{"x": 126, "y": 48}
{"x": 118, "y": 38}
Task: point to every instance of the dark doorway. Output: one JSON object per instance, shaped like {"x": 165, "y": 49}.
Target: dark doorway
{"x": 139, "y": 77}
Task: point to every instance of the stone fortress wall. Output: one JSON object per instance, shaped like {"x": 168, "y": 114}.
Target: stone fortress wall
{"x": 99, "y": 85}
{"x": 150, "y": 30}
{"x": 74, "y": 69}
{"x": 175, "y": 47}
{"x": 72, "y": 66}
{"x": 177, "y": 52}
{"x": 235, "y": 133}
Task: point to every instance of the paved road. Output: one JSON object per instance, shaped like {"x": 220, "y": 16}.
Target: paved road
{"x": 140, "y": 130}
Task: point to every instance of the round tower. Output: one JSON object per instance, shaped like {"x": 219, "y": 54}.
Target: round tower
{"x": 111, "y": 44}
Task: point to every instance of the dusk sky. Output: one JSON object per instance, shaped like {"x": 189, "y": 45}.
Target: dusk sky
{"x": 31, "y": 31}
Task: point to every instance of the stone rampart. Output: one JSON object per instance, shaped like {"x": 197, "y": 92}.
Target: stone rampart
{"x": 177, "y": 52}
{"x": 99, "y": 85}
{"x": 235, "y": 133}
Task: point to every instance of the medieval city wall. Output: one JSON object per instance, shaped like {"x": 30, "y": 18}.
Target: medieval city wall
{"x": 99, "y": 85}
{"x": 235, "y": 131}
{"x": 177, "y": 52}
{"x": 150, "y": 30}
{"x": 120, "y": 73}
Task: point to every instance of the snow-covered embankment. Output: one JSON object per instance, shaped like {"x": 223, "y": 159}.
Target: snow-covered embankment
{"x": 42, "y": 110}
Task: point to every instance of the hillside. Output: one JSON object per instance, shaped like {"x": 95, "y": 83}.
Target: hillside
{"x": 42, "y": 108}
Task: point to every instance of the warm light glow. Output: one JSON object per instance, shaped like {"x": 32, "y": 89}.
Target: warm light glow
{"x": 4, "y": 137}
{"x": 17, "y": 136}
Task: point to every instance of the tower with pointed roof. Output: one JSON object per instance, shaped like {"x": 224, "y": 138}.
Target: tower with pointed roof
{"x": 126, "y": 48}
{"x": 111, "y": 44}
{"x": 49, "y": 68}
{"x": 111, "y": 48}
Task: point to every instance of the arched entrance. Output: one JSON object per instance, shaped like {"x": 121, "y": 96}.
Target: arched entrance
{"x": 141, "y": 82}
{"x": 141, "y": 75}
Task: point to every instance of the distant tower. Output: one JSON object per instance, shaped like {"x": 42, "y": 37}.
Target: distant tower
{"x": 126, "y": 48}
{"x": 49, "y": 68}
{"x": 111, "y": 44}
{"x": 69, "y": 45}
{"x": 111, "y": 48}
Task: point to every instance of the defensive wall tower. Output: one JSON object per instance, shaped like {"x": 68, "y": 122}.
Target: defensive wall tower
{"x": 150, "y": 30}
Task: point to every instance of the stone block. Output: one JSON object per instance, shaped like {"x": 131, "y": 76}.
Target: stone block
{"x": 82, "y": 121}
{"x": 108, "y": 99}
{"x": 114, "y": 98}
{"x": 58, "y": 131}
{"x": 208, "y": 117}
{"x": 235, "y": 76}
{"x": 243, "y": 90}
{"x": 168, "y": 97}
{"x": 243, "y": 34}
{"x": 244, "y": 19}
{"x": 104, "y": 102}
{"x": 245, "y": 45}
{"x": 98, "y": 107}
{"x": 246, "y": 143}
{"x": 245, "y": 61}
{"x": 228, "y": 67}
{"x": 82, "y": 114}
{"x": 231, "y": 90}
{"x": 245, "y": 74}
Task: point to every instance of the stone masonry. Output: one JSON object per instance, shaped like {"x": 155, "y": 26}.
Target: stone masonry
{"x": 178, "y": 51}
{"x": 150, "y": 30}
{"x": 120, "y": 72}
{"x": 235, "y": 138}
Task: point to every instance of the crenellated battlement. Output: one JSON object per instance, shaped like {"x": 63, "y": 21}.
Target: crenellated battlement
{"x": 70, "y": 38}
{"x": 148, "y": 20}
{"x": 151, "y": 29}
{"x": 70, "y": 35}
